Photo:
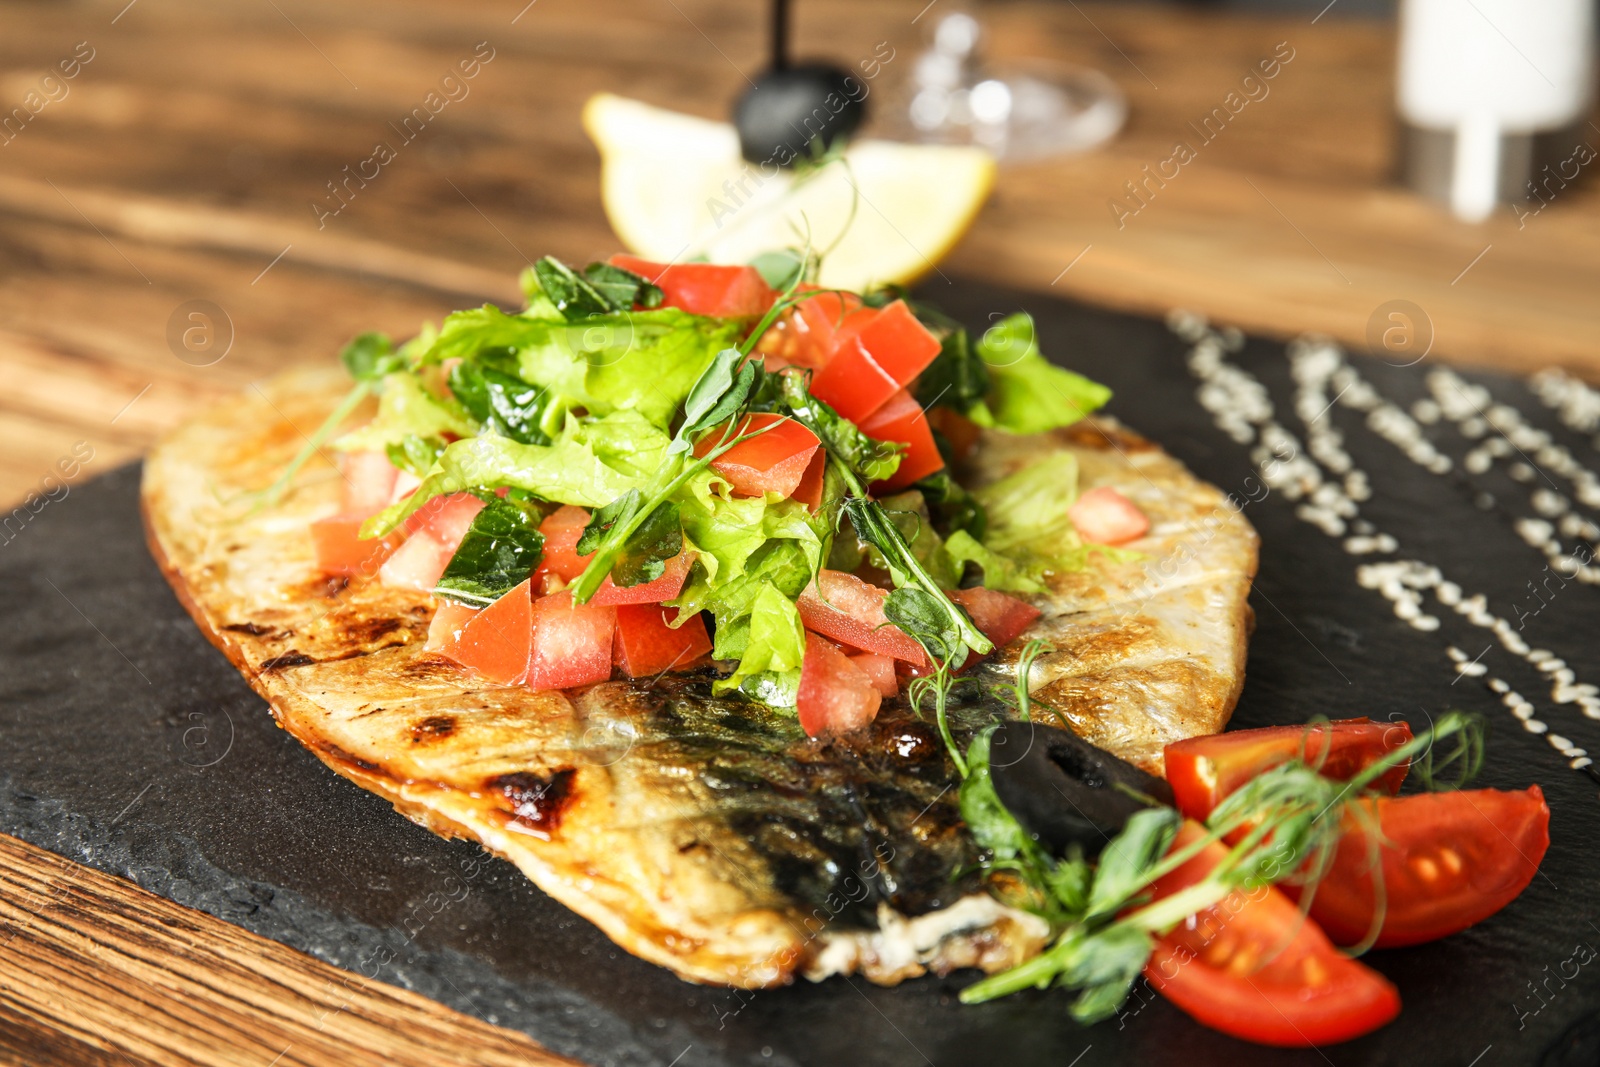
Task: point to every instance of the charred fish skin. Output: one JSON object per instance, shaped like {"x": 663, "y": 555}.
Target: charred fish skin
{"x": 703, "y": 834}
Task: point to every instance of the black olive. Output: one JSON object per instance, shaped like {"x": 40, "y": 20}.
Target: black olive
{"x": 789, "y": 107}
{"x": 1064, "y": 790}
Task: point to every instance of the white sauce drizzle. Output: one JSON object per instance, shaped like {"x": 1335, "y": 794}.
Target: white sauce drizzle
{"x": 1243, "y": 409}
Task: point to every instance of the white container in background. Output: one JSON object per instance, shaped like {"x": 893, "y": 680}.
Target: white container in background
{"x": 1480, "y": 83}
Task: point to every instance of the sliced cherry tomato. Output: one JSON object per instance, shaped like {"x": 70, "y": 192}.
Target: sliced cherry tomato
{"x": 571, "y": 642}
{"x": 882, "y": 358}
{"x": 419, "y": 562}
{"x": 704, "y": 288}
{"x": 340, "y": 549}
{"x": 561, "y": 563}
{"x": 1001, "y": 618}
{"x": 809, "y": 491}
{"x": 1449, "y": 860}
{"x": 836, "y": 696}
{"x": 1204, "y": 770}
{"x": 444, "y": 632}
{"x": 845, "y": 608}
{"x": 903, "y": 421}
{"x": 1104, "y": 516}
{"x": 674, "y": 573}
{"x": 881, "y": 670}
{"x": 773, "y": 461}
{"x": 1251, "y": 967}
{"x": 646, "y": 646}
{"x": 369, "y": 480}
{"x": 496, "y": 642}
{"x": 808, "y": 334}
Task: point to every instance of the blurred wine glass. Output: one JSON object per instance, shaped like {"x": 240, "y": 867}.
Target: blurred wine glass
{"x": 1017, "y": 109}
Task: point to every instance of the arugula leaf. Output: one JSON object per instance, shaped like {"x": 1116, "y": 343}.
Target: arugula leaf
{"x": 501, "y": 403}
{"x": 370, "y": 356}
{"x": 500, "y": 550}
{"x": 406, "y": 409}
{"x": 415, "y": 454}
{"x": 1027, "y": 393}
{"x": 957, "y": 378}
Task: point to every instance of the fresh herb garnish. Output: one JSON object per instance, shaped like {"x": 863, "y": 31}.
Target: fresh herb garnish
{"x": 502, "y": 403}
{"x": 500, "y": 550}
{"x": 599, "y": 290}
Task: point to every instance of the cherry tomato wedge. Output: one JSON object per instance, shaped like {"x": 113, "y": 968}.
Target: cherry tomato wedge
{"x": 1449, "y": 860}
{"x": 903, "y": 421}
{"x": 773, "y": 461}
{"x": 340, "y": 549}
{"x": 646, "y": 646}
{"x": 836, "y": 696}
{"x": 1001, "y": 618}
{"x": 1250, "y": 966}
{"x": 673, "y": 574}
{"x": 1204, "y": 770}
{"x": 571, "y": 643}
{"x": 496, "y": 642}
{"x": 882, "y": 357}
{"x": 704, "y": 288}
{"x": 850, "y": 611}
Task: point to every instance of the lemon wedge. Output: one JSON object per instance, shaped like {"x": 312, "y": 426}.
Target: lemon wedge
{"x": 675, "y": 187}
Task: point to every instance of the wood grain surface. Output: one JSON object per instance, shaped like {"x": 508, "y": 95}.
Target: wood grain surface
{"x": 182, "y": 161}
{"x": 94, "y": 970}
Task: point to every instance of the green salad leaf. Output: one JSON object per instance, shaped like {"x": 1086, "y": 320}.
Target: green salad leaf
{"x": 599, "y": 290}
{"x": 503, "y": 403}
{"x": 1027, "y": 393}
{"x": 414, "y": 454}
{"x": 957, "y": 378}
{"x": 869, "y": 460}
{"x": 999, "y": 572}
{"x": 406, "y": 409}
{"x": 370, "y": 356}
{"x": 773, "y": 643}
{"x": 500, "y": 550}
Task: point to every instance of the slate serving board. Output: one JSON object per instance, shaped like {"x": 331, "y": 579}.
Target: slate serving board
{"x": 129, "y": 744}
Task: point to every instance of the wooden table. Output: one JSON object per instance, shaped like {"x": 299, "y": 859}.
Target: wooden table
{"x": 181, "y": 161}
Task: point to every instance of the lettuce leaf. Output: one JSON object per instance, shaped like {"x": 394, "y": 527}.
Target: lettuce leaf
{"x": 644, "y": 361}
{"x": 589, "y": 464}
{"x": 406, "y": 409}
{"x": 1029, "y": 524}
{"x": 1027, "y": 393}
{"x": 999, "y": 572}
{"x": 774, "y": 644}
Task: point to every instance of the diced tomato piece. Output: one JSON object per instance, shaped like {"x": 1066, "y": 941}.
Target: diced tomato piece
{"x": 1252, "y": 967}
{"x": 561, "y": 528}
{"x": 903, "y": 421}
{"x": 674, "y": 572}
{"x": 1001, "y": 618}
{"x": 960, "y": 431}
{"x": 440, "y": 526}
{"x": 773, "y": 461}
{"x": 1205, "y": 770}
{"x": 836, "y": 696}
{"x": 646, "y": 645}
{"x": 808, "y": 334}
{"x": 369, "y": 480}
{"x": 1448, "y": 859}
{"x": 418, "y": 563}
{"x": 571, "y": 642}
{"x": 340, "y": 549}
{"x": 444, "y": 632}
{"x": 809, "y": 491}
{"x": 1104, "y": 516}
{"x": 705, "y": 288}
{"x": 497, "y": 642}
{"x": 882, "y": 358}
{"x": 845, "y": 608}
{"x": 880, "y": 669}
{"x": 405, "y": 483}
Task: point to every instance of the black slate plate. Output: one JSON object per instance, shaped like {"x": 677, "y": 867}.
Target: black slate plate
{"x": 129, "y": 744}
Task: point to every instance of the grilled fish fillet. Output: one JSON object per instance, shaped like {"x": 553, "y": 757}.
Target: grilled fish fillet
{"x": 706, "y": 835}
